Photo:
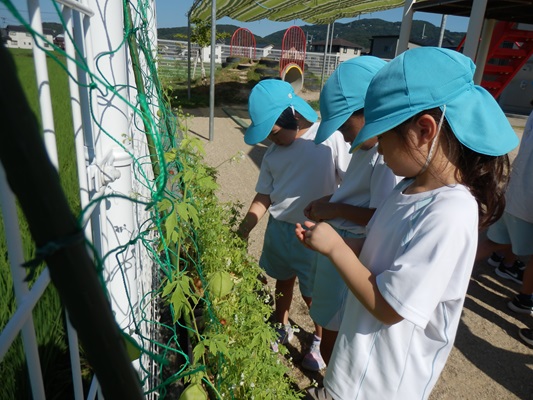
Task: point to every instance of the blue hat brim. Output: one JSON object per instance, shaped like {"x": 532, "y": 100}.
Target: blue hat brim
{"x": 328, "y": 126}
{"x": 256, "y": 133}
{"x": 492, "y": 136}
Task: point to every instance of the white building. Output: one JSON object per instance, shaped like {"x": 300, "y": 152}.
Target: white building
{"x": 18, "y": 37}
{"x": 343, "y": 49}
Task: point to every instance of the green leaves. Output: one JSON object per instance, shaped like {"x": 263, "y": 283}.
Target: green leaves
{"x": 181, "y": 295}
{"x": 231, "y": 349}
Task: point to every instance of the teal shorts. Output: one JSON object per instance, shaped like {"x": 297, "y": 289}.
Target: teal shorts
{"x": 284, "y": 257}
{"x": 514, "y": 231}
{"x": 329, "y": 291}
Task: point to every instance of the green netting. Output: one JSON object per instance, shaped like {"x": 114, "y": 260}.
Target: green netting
{"x": 209, "y": 333}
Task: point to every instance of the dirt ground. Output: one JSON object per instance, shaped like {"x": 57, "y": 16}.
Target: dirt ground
{"x": 488, "y": 360}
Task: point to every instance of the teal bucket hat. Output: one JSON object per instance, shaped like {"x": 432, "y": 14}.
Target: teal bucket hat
{"x": 344, "y": 93}
{"x": 268, "y": 99}
{"x": 429, "y": 77}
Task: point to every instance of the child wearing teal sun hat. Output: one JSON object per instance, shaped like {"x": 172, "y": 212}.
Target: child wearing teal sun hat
{"x": 294, "y": 171}
{"x": 408, "y": 282}
{"x": 367, "y": 182}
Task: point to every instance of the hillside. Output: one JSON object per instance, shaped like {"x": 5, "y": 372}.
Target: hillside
{"x": 359, "y": 32}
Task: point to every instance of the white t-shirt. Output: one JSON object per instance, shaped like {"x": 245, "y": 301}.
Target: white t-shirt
{"x": 421, "y": 247}
{"x": 519, "y": 195}
{"x": 367, "y": 182}
{"x": 295, "y": 175}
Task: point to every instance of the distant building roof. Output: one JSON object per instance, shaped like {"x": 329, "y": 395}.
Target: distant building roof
{"x": 21, "y": 28}
{"x": 385, "y": 36}
{"x": 338, "y": 42}
{"x": 446, "y": 42}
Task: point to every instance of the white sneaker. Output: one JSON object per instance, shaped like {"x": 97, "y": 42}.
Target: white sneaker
{"x": 313, "y": 360}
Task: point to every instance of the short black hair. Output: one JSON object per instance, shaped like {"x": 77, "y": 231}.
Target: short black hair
{"x": 287, "y": 120}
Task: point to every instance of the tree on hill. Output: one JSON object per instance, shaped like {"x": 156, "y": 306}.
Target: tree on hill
{"x": 359, "y": 31}
{"x": 201, "y": 35}
{"x": 362, "y": 31}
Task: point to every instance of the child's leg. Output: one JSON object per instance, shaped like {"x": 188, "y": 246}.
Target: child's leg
{"x": 284, "y": 292}
{"x": 327, "y": 343}
{"x": 318, "y": 328}
{"x": 523, "y": 302}
{"x": 313, "y": 360}
{"x": 527, "y": 280}
{"x": 486, "y": 247}
{"x": 508, "y": 256}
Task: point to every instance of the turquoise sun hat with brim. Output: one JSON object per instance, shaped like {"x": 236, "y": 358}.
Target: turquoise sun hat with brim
{"x": 344, "y": 93}
{"x": 268, "y": 99}
{"x": 428, "y": 77}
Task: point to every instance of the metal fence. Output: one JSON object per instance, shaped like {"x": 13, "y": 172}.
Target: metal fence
{"x": 106, "y": 135}
{"x": 172, "y": 59}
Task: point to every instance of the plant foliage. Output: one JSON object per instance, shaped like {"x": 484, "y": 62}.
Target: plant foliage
{"x": 232, "y": 356}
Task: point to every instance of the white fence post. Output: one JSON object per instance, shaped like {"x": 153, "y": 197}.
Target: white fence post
{"x": 16, "y": 259}
{"x": 111, "y": 158}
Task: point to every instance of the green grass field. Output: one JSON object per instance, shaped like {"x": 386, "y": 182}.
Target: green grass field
{"x": 48, "y": 315}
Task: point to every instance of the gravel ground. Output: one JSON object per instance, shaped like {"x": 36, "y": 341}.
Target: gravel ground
{"x": 488, "y": 360}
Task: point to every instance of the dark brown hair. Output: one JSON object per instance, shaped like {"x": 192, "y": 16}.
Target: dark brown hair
{"x": 485, "y": 176}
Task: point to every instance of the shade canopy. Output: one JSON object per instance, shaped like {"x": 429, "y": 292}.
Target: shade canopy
{"x": 310, "y": 11}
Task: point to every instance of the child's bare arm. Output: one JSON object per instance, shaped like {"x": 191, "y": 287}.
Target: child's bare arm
{"x": 322, "y": 211}
{"x": 258, "y": 208}
{"x": 361, "y": 282}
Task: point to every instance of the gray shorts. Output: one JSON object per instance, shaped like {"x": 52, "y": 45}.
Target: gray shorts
{"x": 329, "y": 291}
{"x": 514, "y": 231}
{"x": 284, "y": 257}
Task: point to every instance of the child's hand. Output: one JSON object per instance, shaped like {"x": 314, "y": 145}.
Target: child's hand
{"x": 314, "y": 212}
{"x": 320, "y": 237}
{"x": 320, "y": 211}
{"x": 301, "y": 231}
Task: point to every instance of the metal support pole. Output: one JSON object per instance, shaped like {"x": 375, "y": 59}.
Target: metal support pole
{"x": 442, "y": 30}
{"x": 483, "y": 51}
{"x": 475, "y": 24}
{"x": 405, "y": 28}
{"x": 43, "y": 83}
{"x": 324, "y": 62}
{"x": 188, "y": 56}
{"x": 212, "y": 63}
{"x": 331, "y": 46}
{"x": 116, "y": 214}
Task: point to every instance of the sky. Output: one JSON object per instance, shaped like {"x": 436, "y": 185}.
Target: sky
{"x": 172, "y": 13}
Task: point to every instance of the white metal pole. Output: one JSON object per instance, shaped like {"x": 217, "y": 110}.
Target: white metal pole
{"x": 16, "y": 259}
{"x": 77, "y": 119}
{"x": 442, "y": 29}
{"x": 475, "y": 24}
{"x": 324, "y": 62}
{"x": 43, "y": 83}
{"x": 483, "y": 51}
{"x": 212, "y": 77}
{"x": 77, "y": 125}
{"x": 405, "y": 28}
{"x": 330, "y": 47}
{"x": 116, "y": 217}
